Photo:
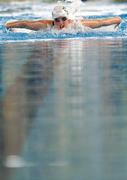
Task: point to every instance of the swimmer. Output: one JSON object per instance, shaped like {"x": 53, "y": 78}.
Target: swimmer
{"x": 61, "y": 19}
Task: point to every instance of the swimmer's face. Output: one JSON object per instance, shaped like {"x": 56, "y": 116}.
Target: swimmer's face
{"x": 61, "y": 22}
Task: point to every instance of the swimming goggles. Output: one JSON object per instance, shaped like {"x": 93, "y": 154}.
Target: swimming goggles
{"x": 59, "y": 19}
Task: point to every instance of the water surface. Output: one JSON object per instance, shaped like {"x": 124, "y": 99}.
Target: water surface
{"x": 63, "y": 109}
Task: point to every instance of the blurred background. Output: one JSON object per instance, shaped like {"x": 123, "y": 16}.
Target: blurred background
{"x": 56, "y": 0}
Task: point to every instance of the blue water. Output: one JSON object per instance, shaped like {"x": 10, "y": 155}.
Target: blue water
{"x": 63, "y": 99}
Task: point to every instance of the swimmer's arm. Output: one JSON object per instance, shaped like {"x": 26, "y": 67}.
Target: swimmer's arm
{"x": 96, "y": 23}
{"x": 32, "y": 25}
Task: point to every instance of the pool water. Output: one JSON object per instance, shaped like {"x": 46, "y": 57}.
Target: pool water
{"x": 63, "y": 100}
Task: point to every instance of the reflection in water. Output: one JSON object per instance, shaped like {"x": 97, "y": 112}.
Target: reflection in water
{"x": 64, "y": 110}
{"x": 23, "y": 98}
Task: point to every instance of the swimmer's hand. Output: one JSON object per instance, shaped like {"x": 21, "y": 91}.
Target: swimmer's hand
{"x": 116, "y": 26}
{"x": 7, "y": 26}
{"x": 118, "y": 23}
{"x": 10, "y": 25}
{"x": 9, "y": 29}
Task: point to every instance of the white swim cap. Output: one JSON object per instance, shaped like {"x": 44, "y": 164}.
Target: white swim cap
{"x": 60, "y": 11}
